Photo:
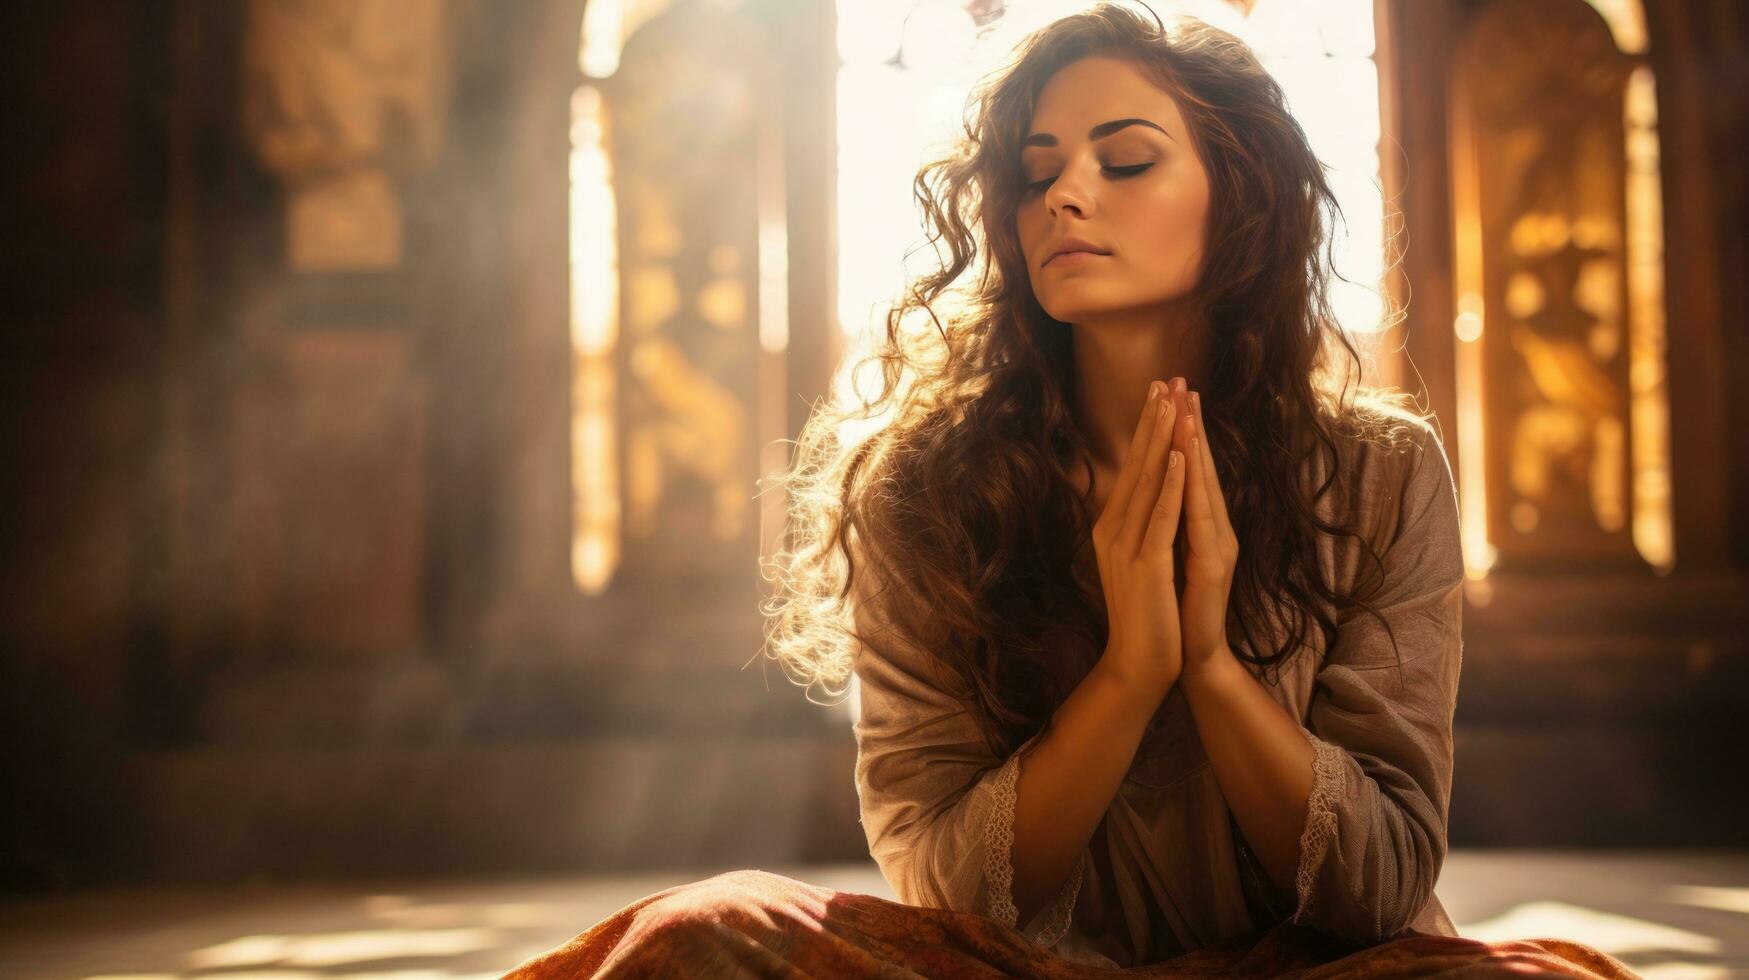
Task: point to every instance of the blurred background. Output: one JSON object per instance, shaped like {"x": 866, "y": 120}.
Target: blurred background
{"x": 390, "y": 386}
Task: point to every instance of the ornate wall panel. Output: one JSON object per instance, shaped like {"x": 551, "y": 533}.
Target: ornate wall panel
{"x": 344, "y": 105}
{"x": 1561, "y": 366}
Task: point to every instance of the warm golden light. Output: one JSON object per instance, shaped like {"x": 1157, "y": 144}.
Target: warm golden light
{"x": 773, "y": 397}
{"x": 1710, "y": 897}
{"x": 606, "y": 25}
{"x": 1617, "y": 935}
{"x": 1649, "y": 396}
{"x": 594, "y": 265}
{"x": 1467, "y": 326}
{"x": 1627, "y": 22}
{"x": 339, "y": 948}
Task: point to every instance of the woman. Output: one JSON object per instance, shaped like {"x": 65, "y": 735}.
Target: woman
{"x": 1174, "y": 692}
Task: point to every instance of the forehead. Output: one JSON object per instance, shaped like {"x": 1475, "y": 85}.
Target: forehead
{"x": 1094, "y": 89}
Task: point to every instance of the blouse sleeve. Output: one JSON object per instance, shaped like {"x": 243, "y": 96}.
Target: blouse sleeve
{"x": 1375, "y": 834}
{"x": 937, "y": 806}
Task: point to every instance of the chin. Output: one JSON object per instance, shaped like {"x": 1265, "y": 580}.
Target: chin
{"x": 1072, "y": 308}
{"x": 1084, "y": 303}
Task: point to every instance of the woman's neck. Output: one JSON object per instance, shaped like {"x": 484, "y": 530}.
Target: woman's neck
{"x": 1115, "y": 361}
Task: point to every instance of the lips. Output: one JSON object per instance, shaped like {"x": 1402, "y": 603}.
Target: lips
{"x": 1069, "y": 246}
{"x": 1067, "y": 254}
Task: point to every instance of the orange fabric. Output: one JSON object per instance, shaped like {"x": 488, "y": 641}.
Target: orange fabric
{"x": 759, "y": 924}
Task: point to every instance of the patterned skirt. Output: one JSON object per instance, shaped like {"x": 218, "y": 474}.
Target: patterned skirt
{"x": 759, "y": 924}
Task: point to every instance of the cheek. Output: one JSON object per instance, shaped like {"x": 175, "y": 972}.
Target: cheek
{"x": 1168, "y": 225}
{"x": 1029, "y": 226}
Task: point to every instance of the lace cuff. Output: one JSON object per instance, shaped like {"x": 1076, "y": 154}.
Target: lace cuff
{"x": 1052, "y": 921}
{"x": 1329, "y": 778}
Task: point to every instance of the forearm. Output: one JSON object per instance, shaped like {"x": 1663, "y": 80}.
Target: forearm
{"x": 1261, "y": 759}
{"x": 1067, "y": 781}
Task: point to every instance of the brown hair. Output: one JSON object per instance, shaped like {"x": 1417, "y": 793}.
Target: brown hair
{"x": 957, "y": 495}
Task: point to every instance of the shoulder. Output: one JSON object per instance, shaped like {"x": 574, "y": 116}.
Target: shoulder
{"x": 1393, "y": 450}
{"x": 1401, "y": 480}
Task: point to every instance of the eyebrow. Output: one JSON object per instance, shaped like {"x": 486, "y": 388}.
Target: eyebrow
{"x": 1098, "y": 132}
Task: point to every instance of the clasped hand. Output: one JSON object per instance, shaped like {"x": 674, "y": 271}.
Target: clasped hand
{"x": 1166, "y": 548}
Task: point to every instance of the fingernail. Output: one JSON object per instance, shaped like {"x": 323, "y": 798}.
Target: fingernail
{"x": 1196, "y": 399}
{"x": 1153, "y": 390}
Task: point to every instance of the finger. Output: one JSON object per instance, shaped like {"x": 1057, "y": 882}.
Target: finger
{"x": 1199, "y": 518}
{"x": 1147, "y": 487}
{"x": 1118, "y": 502}
{"x": 1212, "y": 479}
{"x": 1163, "y": 527}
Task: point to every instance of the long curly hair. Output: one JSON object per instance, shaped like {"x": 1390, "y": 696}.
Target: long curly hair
{"x": 951, "y": 486}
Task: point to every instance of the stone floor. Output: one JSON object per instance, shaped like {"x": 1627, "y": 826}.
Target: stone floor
{"x": 1669, "y": 914}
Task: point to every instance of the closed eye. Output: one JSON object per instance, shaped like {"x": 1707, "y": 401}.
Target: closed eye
{"x": 1039, "y": 185}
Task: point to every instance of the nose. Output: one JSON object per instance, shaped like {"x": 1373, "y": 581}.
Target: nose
{"x": 1067, "y": 191}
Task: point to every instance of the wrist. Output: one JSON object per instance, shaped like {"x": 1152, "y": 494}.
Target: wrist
{"x": 1142, "y": 691}
{"x": 1220, "y": 669}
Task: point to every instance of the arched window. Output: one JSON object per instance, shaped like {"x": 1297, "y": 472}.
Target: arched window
{"x": 1560, "y": 332}
{"x": 678, "y": 275}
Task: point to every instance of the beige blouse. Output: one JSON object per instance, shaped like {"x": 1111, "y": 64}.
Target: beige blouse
{"x": 1167, "y": 870}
